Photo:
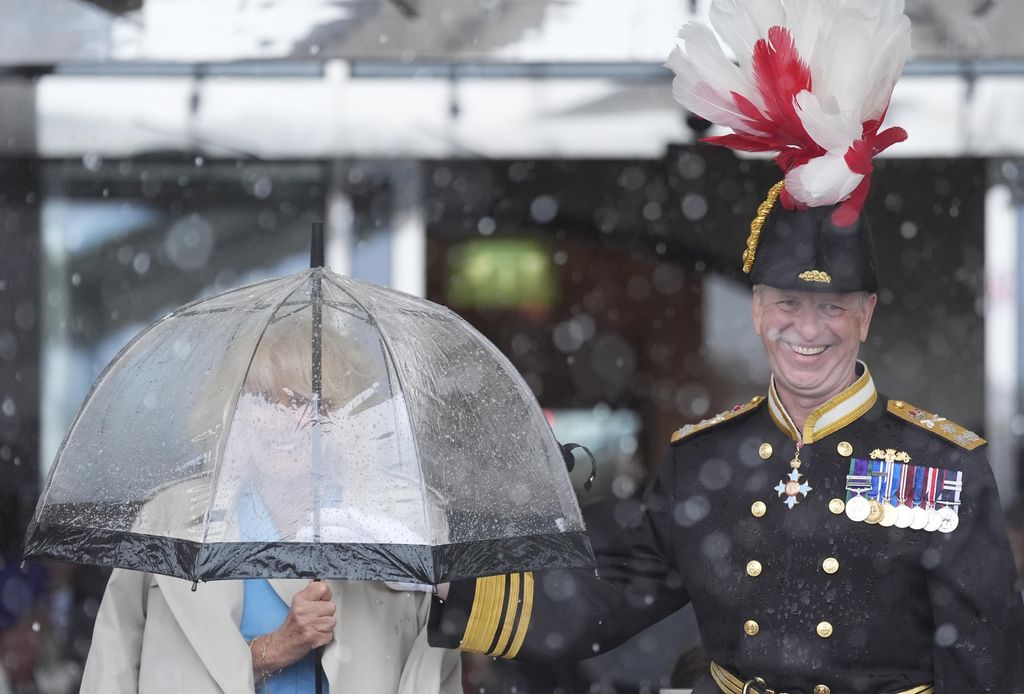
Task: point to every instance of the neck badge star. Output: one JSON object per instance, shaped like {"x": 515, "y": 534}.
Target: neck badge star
{"x": 792, "y": 489}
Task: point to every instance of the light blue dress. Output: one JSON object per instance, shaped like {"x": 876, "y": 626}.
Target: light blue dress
{"x": 263, "y": 610}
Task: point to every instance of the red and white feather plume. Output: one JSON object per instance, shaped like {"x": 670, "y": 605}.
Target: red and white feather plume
{"x": 813, "y": 84}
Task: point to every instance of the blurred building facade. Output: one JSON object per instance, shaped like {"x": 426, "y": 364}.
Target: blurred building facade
{"x": 520, "y": 162}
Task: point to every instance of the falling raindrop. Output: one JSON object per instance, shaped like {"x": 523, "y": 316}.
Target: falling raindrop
{"x": 92, "y": 161}
{"x": 486, "y": 226}
{"x": 945, "y": 636}
{"x": 543, "y": 209}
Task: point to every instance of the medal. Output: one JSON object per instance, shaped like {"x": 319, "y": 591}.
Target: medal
{"x": 888, "y": 518}
{"x": 790, "y": 487}
{"x": 918, "y": 515}
{"x": 904, "y": 516}
{"x": 876, "y": 512}
{"x": 918, "y": 518}
{"x": 952, "y": 485}
{"x": 903, "y": 513}
{"x": 948, "y": 520}
{"x": 932, "y": 518}
{"x": 858, "y": 508}
{"x": 857, "y": 482}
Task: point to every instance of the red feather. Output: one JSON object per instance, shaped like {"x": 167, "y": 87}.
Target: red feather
{"x": 847, "y": 213}
{"x": 887, "y": 138}
{"x": 779, "y": 75}
{"x": 858, "y": 157}
{"x": 741, "y": 142}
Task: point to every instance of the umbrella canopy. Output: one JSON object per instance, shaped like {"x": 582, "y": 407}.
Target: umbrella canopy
{"x": 311, "y": 425}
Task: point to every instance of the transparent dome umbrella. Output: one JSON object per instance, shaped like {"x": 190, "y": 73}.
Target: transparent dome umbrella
{"x": 311, "y": 426}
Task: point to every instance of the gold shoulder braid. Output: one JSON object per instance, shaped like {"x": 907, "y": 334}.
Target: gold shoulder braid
{"x": 940, "y": 426}
{"x": 689, "y": 429}
{"x": 763, "y": 210}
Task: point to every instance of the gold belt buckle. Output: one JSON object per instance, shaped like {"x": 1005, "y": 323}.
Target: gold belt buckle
{"x": 756, "y": 685}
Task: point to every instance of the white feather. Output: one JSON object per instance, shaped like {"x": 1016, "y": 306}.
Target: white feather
{"x": 840, "y": 68}
{"x": 825, "y": 180}
{"x": 893, "y": 49}
{"x": 706, "y": 79}
{"x": 705, "y": 54}
{"x": 826, "y": 124}
{"x": 742, "y": 23}
{"x": 698, "y": 96}
{"x": 806, "y": 20}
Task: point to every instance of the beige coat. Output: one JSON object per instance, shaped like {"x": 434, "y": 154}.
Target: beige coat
{"x": 153, "y": 635}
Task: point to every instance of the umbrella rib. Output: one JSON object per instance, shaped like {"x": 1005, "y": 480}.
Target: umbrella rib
{"x": 398, "y": 377}
{"x": 183, "y": 309}
{"x": 224, "y": 441}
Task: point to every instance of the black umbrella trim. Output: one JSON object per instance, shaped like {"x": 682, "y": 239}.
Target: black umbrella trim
{"x": 379, "y": 562}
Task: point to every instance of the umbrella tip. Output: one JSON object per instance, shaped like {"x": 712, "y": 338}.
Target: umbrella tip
{"x": 316, "y": 246}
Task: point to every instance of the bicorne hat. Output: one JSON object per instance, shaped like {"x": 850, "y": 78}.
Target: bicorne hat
{"x": 812, "y": 86}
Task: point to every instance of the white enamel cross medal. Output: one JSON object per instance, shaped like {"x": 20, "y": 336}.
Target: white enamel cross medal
{"x": 792, "y": 488}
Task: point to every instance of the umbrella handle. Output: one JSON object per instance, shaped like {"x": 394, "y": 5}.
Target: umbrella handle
{"x": 318, "y": 669}
{"x": 570, "y": 461}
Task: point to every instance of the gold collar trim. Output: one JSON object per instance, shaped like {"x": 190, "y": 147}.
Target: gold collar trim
{"x": 830, "y": 417}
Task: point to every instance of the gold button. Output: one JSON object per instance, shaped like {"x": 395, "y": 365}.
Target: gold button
{"x": 837, "y": 506}
{"x": 758, "y": 509}
{"x": 754, "y": 568}
{"x": 830, "y": 565}
{"x": 898, "y": 403}
{"x": 824, "y": 630}
{"x": 822, "y": 689}
{"x": 750, "y": 627}
{"x": 765, "y": 451}
{"x": 844, "y": 448}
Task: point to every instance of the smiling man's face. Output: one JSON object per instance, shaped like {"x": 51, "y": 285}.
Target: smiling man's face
{"x": 812, "y": 338}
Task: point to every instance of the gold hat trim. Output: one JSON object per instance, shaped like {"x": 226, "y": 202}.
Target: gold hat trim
{"x": 763, "y": 210}
{"x": 815, "y": 276}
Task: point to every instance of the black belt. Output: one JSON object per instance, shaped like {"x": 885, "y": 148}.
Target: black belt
{"x": 731, "y": 684}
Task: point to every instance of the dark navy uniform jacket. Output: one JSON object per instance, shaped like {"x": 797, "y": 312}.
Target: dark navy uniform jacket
{"x": 785, "y": 585}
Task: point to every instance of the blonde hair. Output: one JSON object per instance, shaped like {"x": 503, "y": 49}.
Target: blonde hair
{"x": 282, "y": 367}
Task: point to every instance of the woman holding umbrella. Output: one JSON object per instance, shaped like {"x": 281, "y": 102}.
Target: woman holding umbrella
{"x": 155, "y": 633}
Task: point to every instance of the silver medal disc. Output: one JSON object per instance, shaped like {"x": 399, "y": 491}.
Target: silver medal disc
{"x": 934, "y": 520}
{"x": 918, "y": 518}
{"x": 857, "y": 509}
{"x": 904, "y": 516}
{"x": 950, "y": 520}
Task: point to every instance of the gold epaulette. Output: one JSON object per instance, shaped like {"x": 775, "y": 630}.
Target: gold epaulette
{"x": 736, "y": 411}
{"x": 500, "y": 617}
{"x": 940, "y": 426}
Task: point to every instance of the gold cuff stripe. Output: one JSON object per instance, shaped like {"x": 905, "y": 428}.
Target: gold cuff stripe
{"x": 508, "y": 616}
{"x": 526, "y": 610}
{"x": 485, "y": 616}
{"x": 731, "y": 684}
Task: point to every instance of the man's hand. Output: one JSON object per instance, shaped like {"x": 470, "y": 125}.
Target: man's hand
{"x": 309, "y": 624}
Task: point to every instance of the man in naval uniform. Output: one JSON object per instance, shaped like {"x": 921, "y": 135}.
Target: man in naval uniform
{"x": 830, "y": 539}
